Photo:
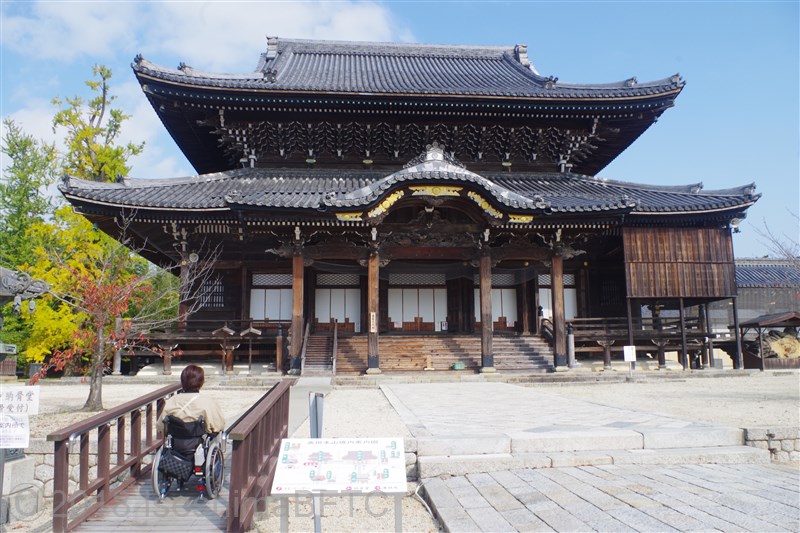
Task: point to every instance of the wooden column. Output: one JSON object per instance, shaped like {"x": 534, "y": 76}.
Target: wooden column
{"x": 373, "y": 318}
{"x": 684, "y": 356}
{"x": 737, "y": 362}
{"x": 526, "y": 309}
{"x": 559, "y": 320}
{"x": 701, "y": 319}
{"x": 487, "y": 355}
{"x": 710, "y": 334}
{"x": 297, "y": 311}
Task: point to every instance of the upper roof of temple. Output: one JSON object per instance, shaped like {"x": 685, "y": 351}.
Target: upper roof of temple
{"x": 403, "y": 69}
{"x": 337, "y": 104}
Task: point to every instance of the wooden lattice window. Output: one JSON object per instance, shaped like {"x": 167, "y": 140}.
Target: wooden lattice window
{"x": 212, "y": 294}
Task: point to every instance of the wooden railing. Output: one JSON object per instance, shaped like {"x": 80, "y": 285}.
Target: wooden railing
{"x": 256, "y": 438}
{"x": 304, "y": 348}
{"x": 335, "y": 346}
{"x": 647, "y": 331}
{"x": 110, "y": 479}
{"x": 546, "y": 330}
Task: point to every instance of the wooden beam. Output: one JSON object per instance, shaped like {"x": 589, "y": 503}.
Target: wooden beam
{"x": 373, "y": 319}
{"x": 428, "y": 252}
{"x": 737, "y": 362}
{"x": 487, "y": 355}
{"x": 684, "y": 356}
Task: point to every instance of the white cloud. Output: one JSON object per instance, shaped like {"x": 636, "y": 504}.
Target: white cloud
{"x": 68, "y": 30}
{"x": 229, "y": 36}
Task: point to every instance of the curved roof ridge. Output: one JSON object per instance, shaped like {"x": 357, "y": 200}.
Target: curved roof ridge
{"x": 691, "y": 188}
{"x": 434, "y": 166}
{"x": 674, "y": 80}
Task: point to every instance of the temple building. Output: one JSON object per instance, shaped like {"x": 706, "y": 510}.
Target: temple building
{"x": 396, "y": 207}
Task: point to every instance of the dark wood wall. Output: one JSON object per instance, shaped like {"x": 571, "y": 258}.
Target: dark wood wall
{"x": 679, "y": 263}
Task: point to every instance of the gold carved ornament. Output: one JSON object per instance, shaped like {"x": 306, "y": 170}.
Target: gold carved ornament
{"x": 435, "y": 190}
{"x": 384, "y": 206}
{"x": 484, "y": 204}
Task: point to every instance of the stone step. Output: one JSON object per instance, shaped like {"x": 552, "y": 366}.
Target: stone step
{"x": 459, "y": 465}
{"x": 585, "y": 440}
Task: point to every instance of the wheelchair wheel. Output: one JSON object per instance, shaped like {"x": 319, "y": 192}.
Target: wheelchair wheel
{"x": 214, "y": 471}
{"x": 161, "y": 481}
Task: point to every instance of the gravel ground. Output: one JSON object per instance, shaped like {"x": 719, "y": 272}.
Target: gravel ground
{"x": 769, "y": 399}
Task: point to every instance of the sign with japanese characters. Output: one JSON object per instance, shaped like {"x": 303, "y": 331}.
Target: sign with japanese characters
{"x": 15, "y": 431}
{"x": 19, "y": 399}
{"x": 341, "y": 465}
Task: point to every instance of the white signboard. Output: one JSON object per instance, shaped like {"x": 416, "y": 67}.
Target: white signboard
{"x": 14, "y": 431}
{"x": 629, "y": 352}
{"x": 8, "y": 349}
{"x": 341, "y": 465}
{"x": 19, "y": 399}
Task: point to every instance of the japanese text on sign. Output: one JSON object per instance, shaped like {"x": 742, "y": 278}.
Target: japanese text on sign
{"x": 341, "y": 465}
{"x": 19, "y": 400}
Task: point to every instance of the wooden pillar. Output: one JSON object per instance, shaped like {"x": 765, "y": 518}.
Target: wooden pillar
{"x": 559, "y": 320}
{"x": 485, "y": 274}
{"x": 737, "y": 362}
{"x": 701, "y": 323}
{"x": 526, "y": 309}
{"x": 710, "y": 338}
{"x": 183, "y": 294}
{"x": 297, "y": 311}
{"x": 631, "y": 342}
{"x": 373, "y": 318}
{"x": 684, "y": 355}
{"x": 167, "y": 361}
{"x": 279, "y": 350}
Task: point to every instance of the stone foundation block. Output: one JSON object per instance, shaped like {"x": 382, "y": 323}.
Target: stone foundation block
{"x": 573, "y": 441}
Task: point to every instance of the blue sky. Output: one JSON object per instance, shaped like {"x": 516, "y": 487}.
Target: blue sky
{"x": 736, "y": 122}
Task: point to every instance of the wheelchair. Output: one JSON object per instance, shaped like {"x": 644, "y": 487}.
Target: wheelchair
{"x": 189, "y": 453}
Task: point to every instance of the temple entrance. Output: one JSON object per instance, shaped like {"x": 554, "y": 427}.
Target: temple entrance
{"x": 337, "y": 298}
{"x": 417, "y": 302}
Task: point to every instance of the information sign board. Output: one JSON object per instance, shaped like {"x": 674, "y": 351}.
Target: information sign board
{"x": 19, "y": 399}
{"x": 340, "y": 465}
{"x": 15, "y": 431}
{"x": 8, "y": 349}
{"x": 629, "y": 353}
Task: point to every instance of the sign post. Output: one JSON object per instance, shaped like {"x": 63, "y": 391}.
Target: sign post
{"x": 629, "y": 352}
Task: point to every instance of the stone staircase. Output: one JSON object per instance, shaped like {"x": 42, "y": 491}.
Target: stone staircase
{"x": 517, "y": 353}
{"x": 461, "y": 456}
{"x": 407, "y": 353}
{"x": 318, "y": 354}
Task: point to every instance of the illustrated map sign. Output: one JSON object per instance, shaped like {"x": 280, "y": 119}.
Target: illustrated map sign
{"x": 340, "y": 465}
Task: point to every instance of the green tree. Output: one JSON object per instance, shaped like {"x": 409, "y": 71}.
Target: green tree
{"x": 23, "y": 198}
{"x": 30, "y": 169}
{"x": 93, "y": 128}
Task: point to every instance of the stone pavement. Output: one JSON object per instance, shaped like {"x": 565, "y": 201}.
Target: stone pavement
{"x": 621, "y": 498}
{"x": 497, "y": 457}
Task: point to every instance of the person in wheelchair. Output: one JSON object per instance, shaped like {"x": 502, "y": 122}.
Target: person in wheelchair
{"x": 192, "y": 424}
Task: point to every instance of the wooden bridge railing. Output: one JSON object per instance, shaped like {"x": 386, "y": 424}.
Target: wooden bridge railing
{"x": 256, "y": 438}
{"x": 127, "y": 458}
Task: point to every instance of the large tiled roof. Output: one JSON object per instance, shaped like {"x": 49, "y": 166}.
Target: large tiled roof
{"x": 397, "y": 68}
{"x": 767, "y": 273}
{"x": 338, "y": 190}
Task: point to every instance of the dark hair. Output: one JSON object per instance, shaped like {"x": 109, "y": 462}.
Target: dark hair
{"x": 192, "y": 378}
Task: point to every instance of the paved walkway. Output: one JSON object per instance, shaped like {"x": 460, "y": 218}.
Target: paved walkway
{"x": 621, "y": 498}
{"x": 473, "y": 438}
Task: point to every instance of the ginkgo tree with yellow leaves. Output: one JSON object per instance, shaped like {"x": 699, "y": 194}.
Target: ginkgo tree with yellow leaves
{"x": 103, "y": 296}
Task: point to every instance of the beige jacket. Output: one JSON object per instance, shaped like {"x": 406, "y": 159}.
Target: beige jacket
{"x": 189, "y": 406}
